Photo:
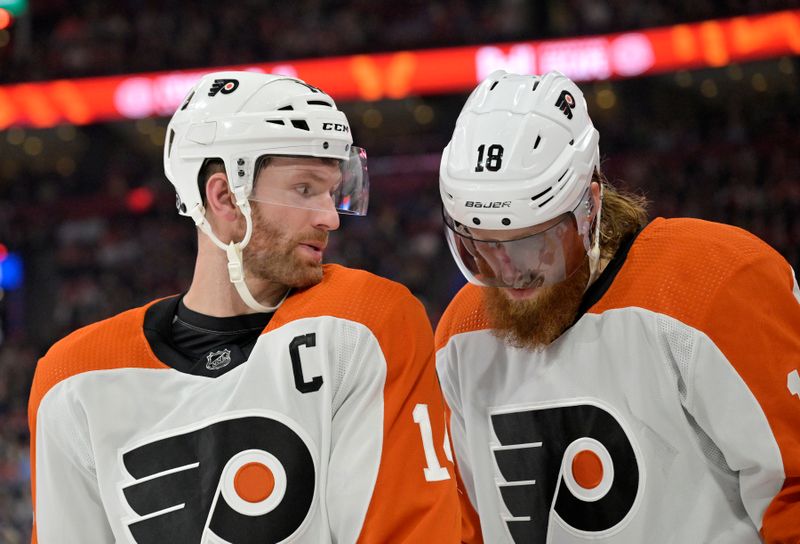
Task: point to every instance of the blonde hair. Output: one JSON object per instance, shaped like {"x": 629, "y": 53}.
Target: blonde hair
{"x": 623, "y": 214}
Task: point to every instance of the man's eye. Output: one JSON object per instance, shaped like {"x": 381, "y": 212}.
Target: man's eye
{"x": 304, "y": 190}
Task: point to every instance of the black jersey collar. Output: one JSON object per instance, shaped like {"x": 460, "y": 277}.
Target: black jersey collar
{"x": 158, "y": 330}
{"x": 234, "y": 323}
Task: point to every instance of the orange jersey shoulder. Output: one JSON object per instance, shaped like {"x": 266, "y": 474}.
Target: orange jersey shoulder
{"x": 465, "y": 313}
{"x": 355, "y": 295}
{"x": 678, "y": 267}
{"x": 116, "y": 342}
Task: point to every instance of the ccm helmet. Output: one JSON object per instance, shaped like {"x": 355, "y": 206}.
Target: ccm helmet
{"x": 522, "y": 156}
{"x": 239, "y": 117}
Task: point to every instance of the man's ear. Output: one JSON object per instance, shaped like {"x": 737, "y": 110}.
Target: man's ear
{"x": 220, "y": 202}
{"x": 595, "y": 188}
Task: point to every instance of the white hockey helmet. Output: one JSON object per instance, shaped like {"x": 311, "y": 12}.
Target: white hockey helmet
{"x": 522, "y": 154}
{"x": 239, "y": 117}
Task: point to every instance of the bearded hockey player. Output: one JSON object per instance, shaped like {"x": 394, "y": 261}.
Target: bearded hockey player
{"x": 610, "y": 379}
{"x": 278, "y": 399}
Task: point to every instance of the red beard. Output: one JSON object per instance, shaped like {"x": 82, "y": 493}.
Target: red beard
{"x": 271, "y": 254}
{"x": 536, "y": 322}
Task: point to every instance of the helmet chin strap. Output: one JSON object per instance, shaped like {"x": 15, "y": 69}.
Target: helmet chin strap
{"x": 594, "y": 253}
{"x": 234, "y": 252}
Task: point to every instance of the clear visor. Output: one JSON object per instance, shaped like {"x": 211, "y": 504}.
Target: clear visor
{"x": 344, "y": 189}
{"x": 531, "y": 261}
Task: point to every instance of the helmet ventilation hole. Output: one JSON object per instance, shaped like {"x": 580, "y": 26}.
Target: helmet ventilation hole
{"x": 506, "y": 221}
{"x": 186, "y": 102}
{"x": 286, "y": 108}
{"x": 538, "y": 139}
{"x": 276, "y": 122}
{"x": 171, "y": 139}
{"x": 476, "y": 220}
{"x": 540, "y": 195}
{"x": 494, "y": 85}
{"x": 302, "y": 125}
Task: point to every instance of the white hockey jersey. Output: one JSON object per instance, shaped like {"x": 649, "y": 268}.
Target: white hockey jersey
{"x": 333, "y": 430}
{"x": 668, "y": 413}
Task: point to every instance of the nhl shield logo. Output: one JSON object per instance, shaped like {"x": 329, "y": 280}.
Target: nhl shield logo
{"x": 218, "y": 359}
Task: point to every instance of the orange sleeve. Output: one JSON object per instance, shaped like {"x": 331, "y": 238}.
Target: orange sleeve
{"x": 405, "y": 507}
{"x": 756, "y": 324}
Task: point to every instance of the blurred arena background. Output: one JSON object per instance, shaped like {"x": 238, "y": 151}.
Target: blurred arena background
{"x": 701, "y": 115}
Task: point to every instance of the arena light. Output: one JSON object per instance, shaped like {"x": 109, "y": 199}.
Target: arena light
{"x": 140, "y": 199}
{"x": 422, "y": 72}
{"x": 11, "y": 272}
{"x": 14, "y": 7}
{"x": 5, "y": 19}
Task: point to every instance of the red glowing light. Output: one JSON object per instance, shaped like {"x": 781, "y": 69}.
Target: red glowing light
{"x": 5, "y": 19}
{"x": 140, "y": 200}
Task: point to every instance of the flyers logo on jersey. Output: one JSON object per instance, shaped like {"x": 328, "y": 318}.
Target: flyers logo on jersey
{"x": 225, "y": 86}
{"x": 574, "y": 461}
{"x": 245, "y": 479}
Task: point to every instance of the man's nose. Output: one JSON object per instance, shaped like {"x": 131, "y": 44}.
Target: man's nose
{"x": 504, "y": 265}
{"x": 325, "y": 216}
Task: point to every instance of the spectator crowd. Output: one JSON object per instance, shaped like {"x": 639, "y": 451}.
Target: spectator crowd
{"x": 68, "y": 39}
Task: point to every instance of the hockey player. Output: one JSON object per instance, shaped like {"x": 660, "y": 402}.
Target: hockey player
{"x": 278, "y": 399}
{"x": 610, "y": 380}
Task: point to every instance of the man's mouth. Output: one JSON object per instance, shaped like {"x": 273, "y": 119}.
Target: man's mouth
{"x": 520, "y": 294}
{"x": 314, "y": 249}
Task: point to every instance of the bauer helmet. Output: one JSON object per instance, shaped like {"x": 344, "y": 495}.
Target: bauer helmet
{"x": 522, "y": 156}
